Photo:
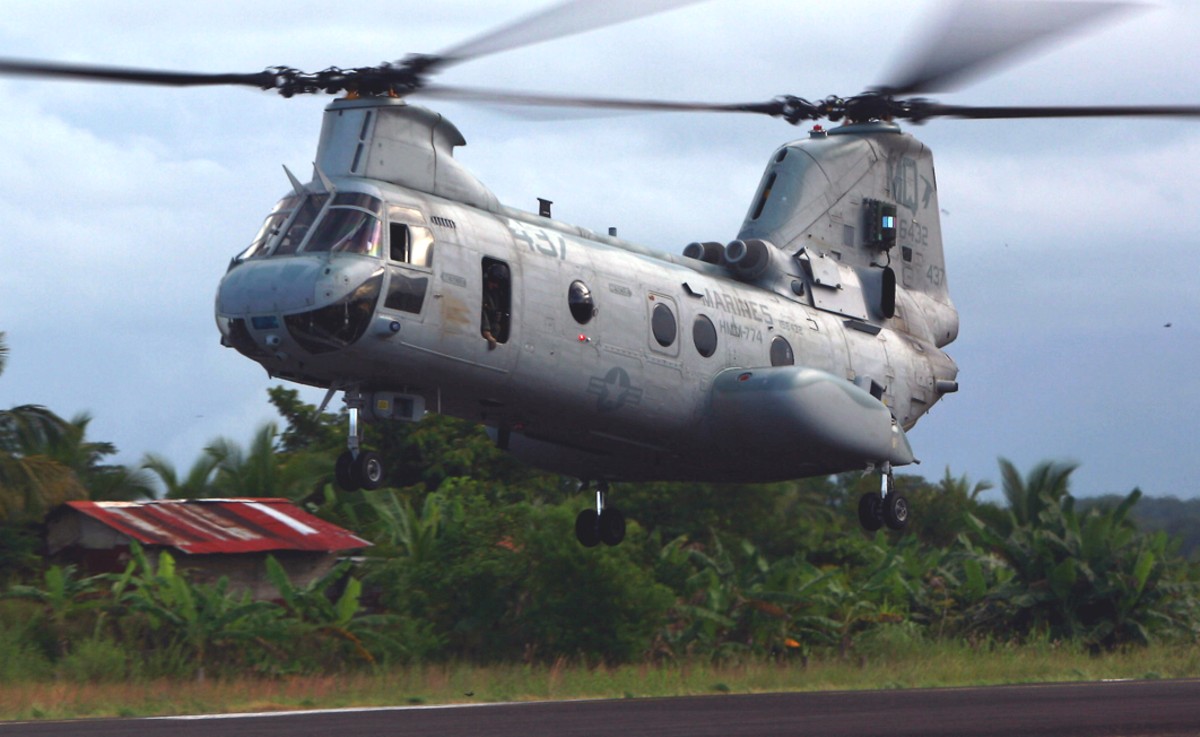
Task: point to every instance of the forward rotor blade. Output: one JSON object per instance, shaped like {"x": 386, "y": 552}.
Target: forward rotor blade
{"x": 923, "y": 111}
{"x": 472, "y": 94}
{"x": 977, "y": 34}
{"x": 565, "y": 19}
{"x": 92, "y": 73}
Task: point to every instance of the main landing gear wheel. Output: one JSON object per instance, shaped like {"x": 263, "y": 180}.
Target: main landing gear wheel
{"x": 885, "y": 508}
{"x": 895, "y": 511}
{"x": 870, "y": 511}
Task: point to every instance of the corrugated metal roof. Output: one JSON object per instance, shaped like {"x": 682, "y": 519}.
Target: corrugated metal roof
{"x": 221, "y": 525}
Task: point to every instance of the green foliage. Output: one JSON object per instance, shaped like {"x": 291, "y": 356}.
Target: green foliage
{"x": 474, "y": 559}
{"x": 199, "y": 619}
{"x": 337, "y": 628}
{"x": 1090, "y": 577}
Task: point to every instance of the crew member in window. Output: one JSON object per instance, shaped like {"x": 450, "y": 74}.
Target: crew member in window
{"x": 494, "y": 319}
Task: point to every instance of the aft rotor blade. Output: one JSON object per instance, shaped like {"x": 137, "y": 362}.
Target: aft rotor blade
{"x": 564, "y": 19}
{"x": 935, "y": 110}
{"x": 92, "y": 73}
{"x": 977, "y": 34}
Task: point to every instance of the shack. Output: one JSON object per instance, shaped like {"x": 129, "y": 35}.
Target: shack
{"x": 208, "y": 538}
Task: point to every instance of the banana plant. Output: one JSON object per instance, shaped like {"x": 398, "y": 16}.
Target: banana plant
{"x": 65, "y": 597}
{"x": 1091, "y": 576}
{"x": 312, "y": 613}
{"x": 200, "y": 618}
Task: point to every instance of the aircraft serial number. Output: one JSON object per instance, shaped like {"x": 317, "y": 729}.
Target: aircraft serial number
{"x": 738, "y": 330}
{"x": 539, "y": 241}
{"x": 914, "y": 233}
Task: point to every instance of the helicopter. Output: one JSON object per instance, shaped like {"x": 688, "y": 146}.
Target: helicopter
{"x": 807, "y": 345}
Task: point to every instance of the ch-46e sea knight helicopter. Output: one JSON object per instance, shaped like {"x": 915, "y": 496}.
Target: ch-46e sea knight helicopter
{"x": 806, "y": 345}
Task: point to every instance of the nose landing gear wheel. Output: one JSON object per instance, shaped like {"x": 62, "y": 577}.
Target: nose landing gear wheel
{"x": 364, "y": 472}
{"x": 612, "y": 526}
{"x": 343, "y": 472}
{"x": 587, "y": 528}
{"x": 368, "y": 468}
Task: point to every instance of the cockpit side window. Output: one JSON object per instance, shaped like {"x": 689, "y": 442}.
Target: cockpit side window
{"x": 409, "y": 243}
{"x": 301, "y": 222}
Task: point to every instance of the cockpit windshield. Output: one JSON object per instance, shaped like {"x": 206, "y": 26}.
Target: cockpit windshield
{"x": 351, "y": 224}
{"x": 308, "y": 211}
{"x": 270, "y": 228}
{"x": 347, "y": 230}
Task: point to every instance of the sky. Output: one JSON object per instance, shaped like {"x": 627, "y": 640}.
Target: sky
{"x": 1070, "y": 245}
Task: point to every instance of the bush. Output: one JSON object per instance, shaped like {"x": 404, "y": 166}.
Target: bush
{"x": 20, "y": 660}
{"x": 95, "y": 660}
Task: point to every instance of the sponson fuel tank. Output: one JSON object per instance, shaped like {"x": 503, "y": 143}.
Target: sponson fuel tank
{"x": 811, "y": 415}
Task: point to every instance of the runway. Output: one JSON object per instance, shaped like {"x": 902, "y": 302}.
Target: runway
{"x": 1115, "y": 709}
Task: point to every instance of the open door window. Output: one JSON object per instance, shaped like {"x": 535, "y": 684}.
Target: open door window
{"x": 496, "y": 313}
{"x": 408, "y": 242}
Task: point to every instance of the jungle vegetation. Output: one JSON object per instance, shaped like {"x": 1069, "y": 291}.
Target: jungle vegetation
{"x": 475, "y": 560}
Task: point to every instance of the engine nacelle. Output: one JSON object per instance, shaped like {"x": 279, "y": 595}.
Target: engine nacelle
{"x": 757, "y": 260}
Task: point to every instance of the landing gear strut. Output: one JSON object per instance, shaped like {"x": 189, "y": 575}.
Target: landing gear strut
{"x": 604, "y": 524}
{"x": 356, "y": 468}
{"x": 888, "y": 507}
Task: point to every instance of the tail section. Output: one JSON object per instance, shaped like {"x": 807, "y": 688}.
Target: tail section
{"x": 861, "y": 200}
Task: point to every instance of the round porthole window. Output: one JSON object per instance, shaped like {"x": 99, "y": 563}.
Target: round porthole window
{"x": 579, "y": 299}
{"x": 704, "y": 335}
{"x": 662, "y": 323}
{"x": 781, "y": 352}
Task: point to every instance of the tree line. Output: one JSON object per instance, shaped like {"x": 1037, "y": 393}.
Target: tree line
{"x": 474, "y": 559}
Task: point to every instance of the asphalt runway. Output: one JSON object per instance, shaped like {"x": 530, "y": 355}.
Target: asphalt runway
{"x": 1115, "y": 709}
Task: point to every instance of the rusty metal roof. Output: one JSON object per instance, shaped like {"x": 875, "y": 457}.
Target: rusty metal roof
{"x": 221, "y": 525}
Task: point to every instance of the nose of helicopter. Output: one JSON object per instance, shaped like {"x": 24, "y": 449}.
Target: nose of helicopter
{"x": 319, "y": 303}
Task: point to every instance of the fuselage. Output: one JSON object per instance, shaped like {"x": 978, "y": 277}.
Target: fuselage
{"x": 583, "y": 353}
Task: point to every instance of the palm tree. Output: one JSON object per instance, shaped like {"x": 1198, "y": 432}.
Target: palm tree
{"x": 196, "y": 484}
{"x": 86, "y": 458}
{"x": 31, "y": 480}
{"x": 1045, "y": 485}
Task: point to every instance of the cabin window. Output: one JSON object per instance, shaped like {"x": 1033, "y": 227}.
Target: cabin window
{"x": 781, "y": 352}
{"x": 411, "y": 244}
{"x": 496, "y": 313}
{"x": 579, "y": 299}
{"x": 662, "y": 324}
{"x": 704, "y": 335}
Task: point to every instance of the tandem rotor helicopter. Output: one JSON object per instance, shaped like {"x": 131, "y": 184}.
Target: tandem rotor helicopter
{"x": 807, "y": 345}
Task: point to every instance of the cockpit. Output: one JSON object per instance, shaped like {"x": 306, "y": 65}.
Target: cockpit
{"x": 350, "y": 225}
{"x": 319, "y": 265}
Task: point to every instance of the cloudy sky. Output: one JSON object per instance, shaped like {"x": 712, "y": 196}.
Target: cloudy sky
{"x": 1070, "y": 245}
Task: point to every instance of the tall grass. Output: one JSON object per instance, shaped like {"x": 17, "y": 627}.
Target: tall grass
{"x": 897, "y": 661}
